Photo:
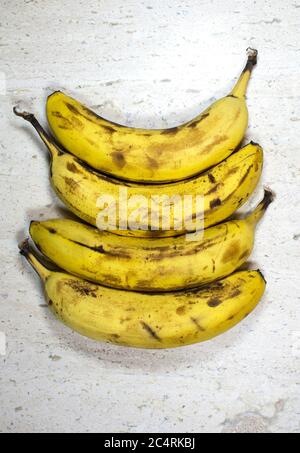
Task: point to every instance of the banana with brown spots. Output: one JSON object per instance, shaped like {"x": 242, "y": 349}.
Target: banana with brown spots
{"x": 163, "y": 264}
{"x": 153, "y": 156}
{"x": 223, "y": 188}
{"x": 149, "y": 320}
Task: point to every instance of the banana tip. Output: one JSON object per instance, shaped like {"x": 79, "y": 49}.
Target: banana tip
{"x": 255, "y": 143}
{"x": 54, "y": 93}
{"x": 24, "y": 247}
{"x": 269, "y": 197}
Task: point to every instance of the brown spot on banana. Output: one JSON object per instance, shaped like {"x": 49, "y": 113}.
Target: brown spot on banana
{"x": 231, "y": 252}
{"x": 196, "y": 322}
{"x": 69, "y": 122}
{"x": 244, "y": 255}
{"x": 214, "y": 302}
{"x": 214, "y": 203}
{"x": 118, "y": 158}
{"x": 150, "y": 331}
{"x": 170, "y": 252}
{"x": 228, "y": 196}
{"x": 232, "y": 171}
{"x": 112, "y": 280}
{"x": 181, "y": 310}
{"x": 89, "y": 116}
{"x": 217, "y": 141}
{"x": 56, "y": 114}
{"x": 115, "y": 336}
{"x": 59, "y": 115}
{"x": 245, "y": 175}
{"x": 77, "y": 124}
{"x": 152, "y": 163}
{"x": 109, "y": 129}
{"x": 211, "y": 178}
{"x": 65, "y": 122}
{"x": 236, "y": 292}
{"x": 98, "y": 249}
{"x": 170, "y": 131}
{"x": 236, "y": 224}
{"x": 142, "y": 285}
{"x": 120, "y": 253}
{"x": 122, "y": 320}
{"x": 213, "y": 189}
{"x": 166, "y": 150}
{"x": 237, "y": 114}
{"x": 192, "y": 125}
{"x": 72, "y": 109}
{"x": 72, "y": 168}
{"x": 198, "y": 120}
{"x": 82, "y": 288}
{"x": 213, "y": 265}
{"x": 219, "y": 286}
{"x": 71, "y": 183}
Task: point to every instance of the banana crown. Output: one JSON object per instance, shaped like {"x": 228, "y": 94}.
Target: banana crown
{"x": 37, "y": 265}
{"x": 255, "y": 216}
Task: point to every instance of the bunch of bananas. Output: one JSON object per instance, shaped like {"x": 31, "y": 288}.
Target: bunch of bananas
{"x": 150, "y": 287}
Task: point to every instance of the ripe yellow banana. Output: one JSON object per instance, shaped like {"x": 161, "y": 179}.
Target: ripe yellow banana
{"x": 153, "y": 155}
{"x": 224, "y": 188}
{"x": 144, "y": 264}
{"x": 149, "y": 320}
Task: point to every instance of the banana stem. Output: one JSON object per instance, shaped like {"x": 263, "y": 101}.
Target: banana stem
{"x": 49, "y": 142}
{"x": 241, "y": 85}
{"x": 259, "y": 211}
{"x": 41, "y": 270}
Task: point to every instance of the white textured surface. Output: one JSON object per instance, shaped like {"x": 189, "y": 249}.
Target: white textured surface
{"x": 150, "y": 63}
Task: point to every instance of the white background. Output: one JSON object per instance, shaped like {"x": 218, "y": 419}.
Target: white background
{"x": 153, "y": 64}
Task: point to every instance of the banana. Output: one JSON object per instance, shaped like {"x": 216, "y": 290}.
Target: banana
{"x": 144, "y": 264}
{"x": 149, "y": 320}
{"x": 153, "y": 155}
{"x": 224, "y": 189}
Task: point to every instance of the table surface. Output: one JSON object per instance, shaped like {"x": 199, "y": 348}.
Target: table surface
{"x": 151, "y": 64}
